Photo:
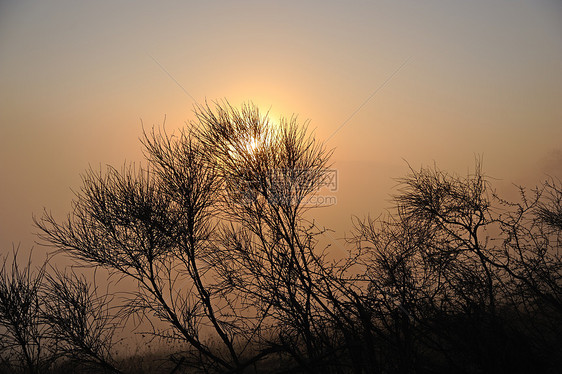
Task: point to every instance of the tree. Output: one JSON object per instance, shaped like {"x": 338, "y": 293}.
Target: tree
{"x": 23, "y": 342}
{"x": 79, "y": 320}
{"x": 461, "y": 278}
{"x": 267, "y": 255}
{"x": 229, "y": 182}
{"x": 48, "y": 319}
{"x": 213, "y": 230}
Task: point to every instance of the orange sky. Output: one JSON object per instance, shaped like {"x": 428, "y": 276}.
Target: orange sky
{"x": 477, "y": 78}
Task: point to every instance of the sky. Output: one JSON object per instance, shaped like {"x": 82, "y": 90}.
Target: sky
{"x": 388, "y": 84}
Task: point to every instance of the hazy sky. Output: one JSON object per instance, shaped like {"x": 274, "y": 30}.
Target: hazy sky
{"x": 447, "y": 80}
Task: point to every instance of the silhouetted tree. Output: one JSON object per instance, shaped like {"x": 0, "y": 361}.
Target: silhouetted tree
{"x": 80, "y": 321}
{"x": 48, "y": 319}
{"x": 462, "y": 279}
{"x": 267, "y": 255}
{"x": 171, "y": 226}
{"x": 24, "y": 346}
{"x": 215, "y": 234}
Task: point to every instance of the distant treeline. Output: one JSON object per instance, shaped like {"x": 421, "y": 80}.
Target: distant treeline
{"x": 453, "y": 279}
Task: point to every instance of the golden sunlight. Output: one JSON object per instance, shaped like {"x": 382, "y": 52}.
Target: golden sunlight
{"x": 248, "y": 145}
{"x": 252, "y": 145}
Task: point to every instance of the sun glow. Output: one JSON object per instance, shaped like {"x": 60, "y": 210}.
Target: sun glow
{"x": 249, "y": 145}
{"x": 252, "y": 145}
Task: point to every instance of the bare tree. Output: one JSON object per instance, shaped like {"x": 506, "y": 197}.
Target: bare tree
{"x": 24, "y": 345}
{"x": 128, "y": 223}
{"x": 549, "y": 210}
{"x": 457, "y": 272}
{"x": 214, "y": 231}
{"x": 267, "y": 256}
{"x": 171, "y": 226}
{"x": 80, "y": 321}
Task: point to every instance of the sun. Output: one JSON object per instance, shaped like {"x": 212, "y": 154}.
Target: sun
{"x": 247, "y": 147}
{"x": 253, "y": 138}
{"x": 252, "y": 145}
